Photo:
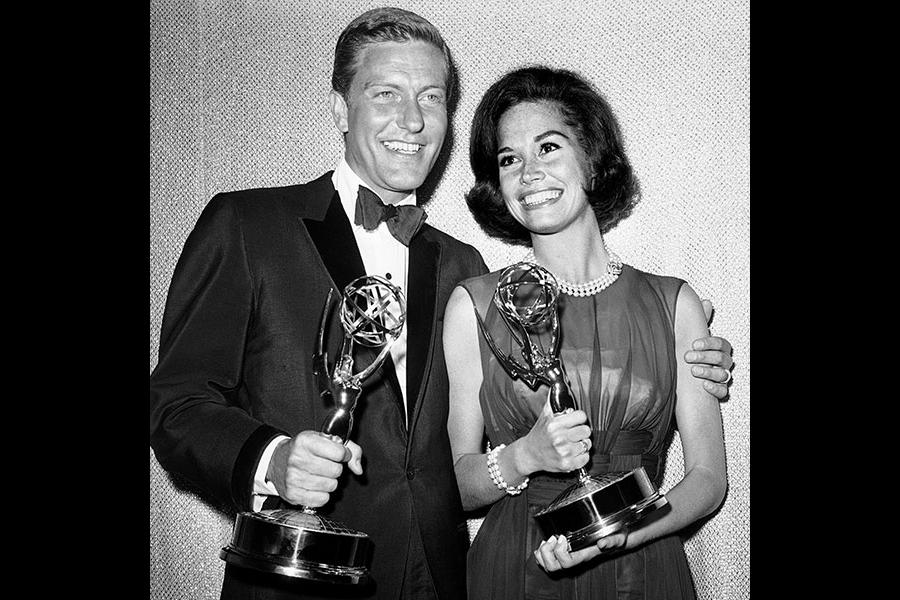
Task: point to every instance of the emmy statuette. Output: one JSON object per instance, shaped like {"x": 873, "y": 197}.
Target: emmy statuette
{"x": 300, "y": 543}
{"x": 595, "y": 506}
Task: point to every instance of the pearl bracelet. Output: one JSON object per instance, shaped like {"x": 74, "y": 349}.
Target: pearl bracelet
{"x": 497, "y": 478}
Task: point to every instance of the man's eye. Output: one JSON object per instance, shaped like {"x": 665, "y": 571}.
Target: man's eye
{"x": 385, "y": 95}
{"x": 433, "y": 99}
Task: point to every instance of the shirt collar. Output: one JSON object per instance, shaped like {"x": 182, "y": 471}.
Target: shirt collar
{"x": 347, "y": 183}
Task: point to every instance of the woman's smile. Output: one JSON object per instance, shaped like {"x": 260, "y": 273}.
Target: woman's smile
{"x": 540, "y": 198}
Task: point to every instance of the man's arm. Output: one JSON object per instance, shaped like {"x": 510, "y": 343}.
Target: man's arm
{"x": 197, "y": 428}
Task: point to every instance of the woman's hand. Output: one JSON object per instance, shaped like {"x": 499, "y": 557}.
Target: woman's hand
{"x": 556, "y": 443}
{"x": 553, "y": 553}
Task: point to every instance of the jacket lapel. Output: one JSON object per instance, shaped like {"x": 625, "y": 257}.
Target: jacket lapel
{"x": 334, "y": 240}
{"x": 424, "y": 266}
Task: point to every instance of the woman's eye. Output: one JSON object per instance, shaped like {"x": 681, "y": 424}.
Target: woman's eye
{"x": 505, "y": 161}
{"x": 548, "y": 147}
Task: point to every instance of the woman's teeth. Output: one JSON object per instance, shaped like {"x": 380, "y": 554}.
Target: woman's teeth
{"x": 542, "y": 196}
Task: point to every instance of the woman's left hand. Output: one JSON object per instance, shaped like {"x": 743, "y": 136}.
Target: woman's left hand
{"x": 553, "y": 553}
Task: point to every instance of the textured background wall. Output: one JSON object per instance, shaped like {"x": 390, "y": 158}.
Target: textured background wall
{"x": 238, "y": 99}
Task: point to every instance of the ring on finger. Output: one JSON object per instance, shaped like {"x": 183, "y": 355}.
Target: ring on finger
{"x": 727, "y": 378}
{"x": 585, "y": 445}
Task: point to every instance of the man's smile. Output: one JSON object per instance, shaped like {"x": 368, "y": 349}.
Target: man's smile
{"x": 402, "y": 147}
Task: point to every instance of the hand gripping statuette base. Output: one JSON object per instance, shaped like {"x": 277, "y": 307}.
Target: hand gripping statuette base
{"x": 299, "y": 542}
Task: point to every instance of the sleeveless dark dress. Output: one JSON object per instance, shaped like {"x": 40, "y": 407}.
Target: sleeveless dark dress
{"x": 618, "y": 349}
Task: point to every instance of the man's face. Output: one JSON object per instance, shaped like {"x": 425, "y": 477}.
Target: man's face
{"x": 394, "y": 116}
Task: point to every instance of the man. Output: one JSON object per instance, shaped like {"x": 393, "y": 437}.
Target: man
{"x": 234, "y": 406}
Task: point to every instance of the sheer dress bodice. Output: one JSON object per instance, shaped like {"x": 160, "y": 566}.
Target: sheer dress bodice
{"x": 618, "y": 351}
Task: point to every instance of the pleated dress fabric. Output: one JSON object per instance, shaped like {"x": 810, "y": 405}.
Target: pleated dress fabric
{"x": 618, "y": 350}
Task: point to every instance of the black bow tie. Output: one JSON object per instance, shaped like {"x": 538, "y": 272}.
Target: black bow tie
{"x": 402, "y": 221}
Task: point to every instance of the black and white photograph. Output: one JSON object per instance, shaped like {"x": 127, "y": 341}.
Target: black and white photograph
{"x": 449, "y": 300}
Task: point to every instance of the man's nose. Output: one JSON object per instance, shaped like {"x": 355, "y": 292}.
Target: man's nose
{"x": 410, "y": 117}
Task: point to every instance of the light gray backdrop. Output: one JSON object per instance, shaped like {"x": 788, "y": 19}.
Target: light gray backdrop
{"x": 238, "y": 99}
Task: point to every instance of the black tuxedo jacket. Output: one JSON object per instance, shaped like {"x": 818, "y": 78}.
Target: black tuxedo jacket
{"x": 235, "y": 370}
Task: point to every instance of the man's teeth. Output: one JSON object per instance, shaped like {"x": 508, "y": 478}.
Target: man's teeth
{"x": 402, "y": 147}
{"x": 539, "y": 197}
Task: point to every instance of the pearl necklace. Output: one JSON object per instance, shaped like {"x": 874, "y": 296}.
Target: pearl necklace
{"x": 588, "y": 288}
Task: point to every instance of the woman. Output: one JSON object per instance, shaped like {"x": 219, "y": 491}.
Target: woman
{"x": 551, "y": 173}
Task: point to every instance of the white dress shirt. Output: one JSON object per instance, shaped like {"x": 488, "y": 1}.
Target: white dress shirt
{"x": 383, "y": 255}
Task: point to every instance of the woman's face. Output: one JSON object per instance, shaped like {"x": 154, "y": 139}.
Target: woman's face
{"x": 542, "y": 169}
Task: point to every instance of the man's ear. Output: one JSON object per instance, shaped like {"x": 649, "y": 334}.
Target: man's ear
{"x": 339, "y": 111}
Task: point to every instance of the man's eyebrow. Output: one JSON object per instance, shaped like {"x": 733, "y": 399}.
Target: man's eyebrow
{"x": 379, "y": 83}
{"x": 384, "y": 83}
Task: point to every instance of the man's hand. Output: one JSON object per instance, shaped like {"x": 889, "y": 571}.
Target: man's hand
{"x": 711, "y": 357}
{"x": 305, "y": 468}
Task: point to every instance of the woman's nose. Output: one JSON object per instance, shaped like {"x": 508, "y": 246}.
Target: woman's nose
{"x": 532, "y": 171}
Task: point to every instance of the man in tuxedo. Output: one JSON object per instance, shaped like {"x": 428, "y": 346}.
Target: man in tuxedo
{"x": 234, "y": 405}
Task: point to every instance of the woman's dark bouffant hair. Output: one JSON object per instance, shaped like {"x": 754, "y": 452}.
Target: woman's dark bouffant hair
{"x": 614, "y": 191}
